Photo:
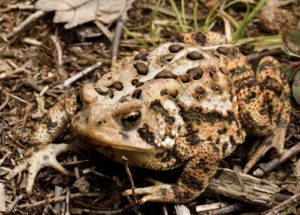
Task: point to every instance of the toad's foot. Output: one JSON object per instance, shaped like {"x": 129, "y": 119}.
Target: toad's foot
{"x": 45, "y": 156}
{"x": 158, "y": 193}
{"x": 276, "y": 140}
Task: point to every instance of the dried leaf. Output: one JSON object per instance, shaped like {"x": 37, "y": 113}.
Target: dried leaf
{"x": 76, "y": 12}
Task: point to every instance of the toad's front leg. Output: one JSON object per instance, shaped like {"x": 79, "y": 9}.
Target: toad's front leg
{"x": 192, "y": 182}
{"x": 43, "y": 153}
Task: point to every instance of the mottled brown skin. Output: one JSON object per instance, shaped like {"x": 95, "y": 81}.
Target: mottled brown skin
{"x": 181, "y": 104}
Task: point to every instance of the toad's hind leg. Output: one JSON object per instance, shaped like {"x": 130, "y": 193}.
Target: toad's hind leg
{"x": 192, "y": 182}
{"x": 265, "y": 107}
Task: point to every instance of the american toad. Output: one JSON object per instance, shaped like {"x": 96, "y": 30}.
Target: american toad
{"x": 181, "y": 104}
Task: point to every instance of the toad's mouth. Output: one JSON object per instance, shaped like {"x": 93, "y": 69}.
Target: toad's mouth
{"x": 124, "y": 142}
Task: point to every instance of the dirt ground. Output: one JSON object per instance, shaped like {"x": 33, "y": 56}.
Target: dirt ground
{"x": 31, "y": 79}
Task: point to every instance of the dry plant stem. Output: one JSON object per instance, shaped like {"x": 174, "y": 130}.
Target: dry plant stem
{"x": 14, "y": 72}
{"x": 60, "y": 67}
{"x": 118, "y": 31}
{"x": 14, "y": 203}
{"x": 26, "y": 22}
{"x": 240, "y": 179}
{"x": 74, "y": 78}
{"x": 4, "y": 157}
{"x": 294, "y": 201}
{"x": 209, "y": 207}
{"x": 267, "y": 167}
{"x": 259, "y": 192}
{"x": 5, "y": 102}
{"x": 129, "y": 177}
{"x": 227, "y": 210}
{"x": 57, "y": 193}
{"x": 61, "y": 198}
{"x": 116, "y": 42}
{"x": 68, "y": 201}
{"x": 104, "y": 29}
{"x": 2, "y": 198}
{"x": 18, "y": 98}
{"x": 271, "y": 52}
{"x": 33, "y": 84}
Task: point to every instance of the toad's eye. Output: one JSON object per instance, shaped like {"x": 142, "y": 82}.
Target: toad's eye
{"x": 131, "y": 119}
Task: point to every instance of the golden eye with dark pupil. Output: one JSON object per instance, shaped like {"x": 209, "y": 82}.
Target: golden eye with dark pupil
{"x": 132, "y": 119}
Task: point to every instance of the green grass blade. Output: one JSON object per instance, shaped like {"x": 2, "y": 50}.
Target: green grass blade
{"x": 195, "y": 15}
{"x": 247, "y": 19}
{"x": 136, "y": 38}
{"x": 178, "y": 16}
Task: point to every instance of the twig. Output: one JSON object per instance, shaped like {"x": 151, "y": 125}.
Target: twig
{"x": 238, "y": 175}
{"x": 18, "y": 98}
{"x": 68, "y": 202}
{"x": 227, "y": 210}
{"x": 5, "y": 102}
{"x": 4, "y": 157}
{"x": 116, "y": 42}
{"x": 33, "y": 84}
{"x": 74, "y": 78}
{"x": 292, "y": 202}
{"x": 2, "y": 198}
{"x": 255, "y": 56}
{"x": 267, "y": 167}
{"x": 209, "y": 207}
{"x": 104, "y": 29}
{"x": 14, "y": 203}
{"x": 14, "y": 72}
{"x": 57, "y": 193}
{"x": 129, "y": 177}
{"x": 61, "y": 198}
{"x": 60, "y": 66}
{"x": 26, "y": 22}
{"x": 118, "y": 31}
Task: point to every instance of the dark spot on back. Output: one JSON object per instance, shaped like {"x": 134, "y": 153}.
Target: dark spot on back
{"x": 117, "y": 85}
{"x": 141, "y": 68}
{"x": 141, "y": 56}
{"x": 134, "y": 81}
{"x": 200, "y": 38}
{"x": 196, "y": 73}
{"x": 194, "y": 55}
{"x": 175, "y": 48}
{"x": 185, "y": 78}
{"x": 137, "y": 94}
{"x": 166, "y": 58}
{"x": 200, "y": 92}
{"x": 172, "y": 93}
{"x": 165, "y": 74}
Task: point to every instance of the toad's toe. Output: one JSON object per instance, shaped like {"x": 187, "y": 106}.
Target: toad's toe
{"x": 46, "y": 156}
